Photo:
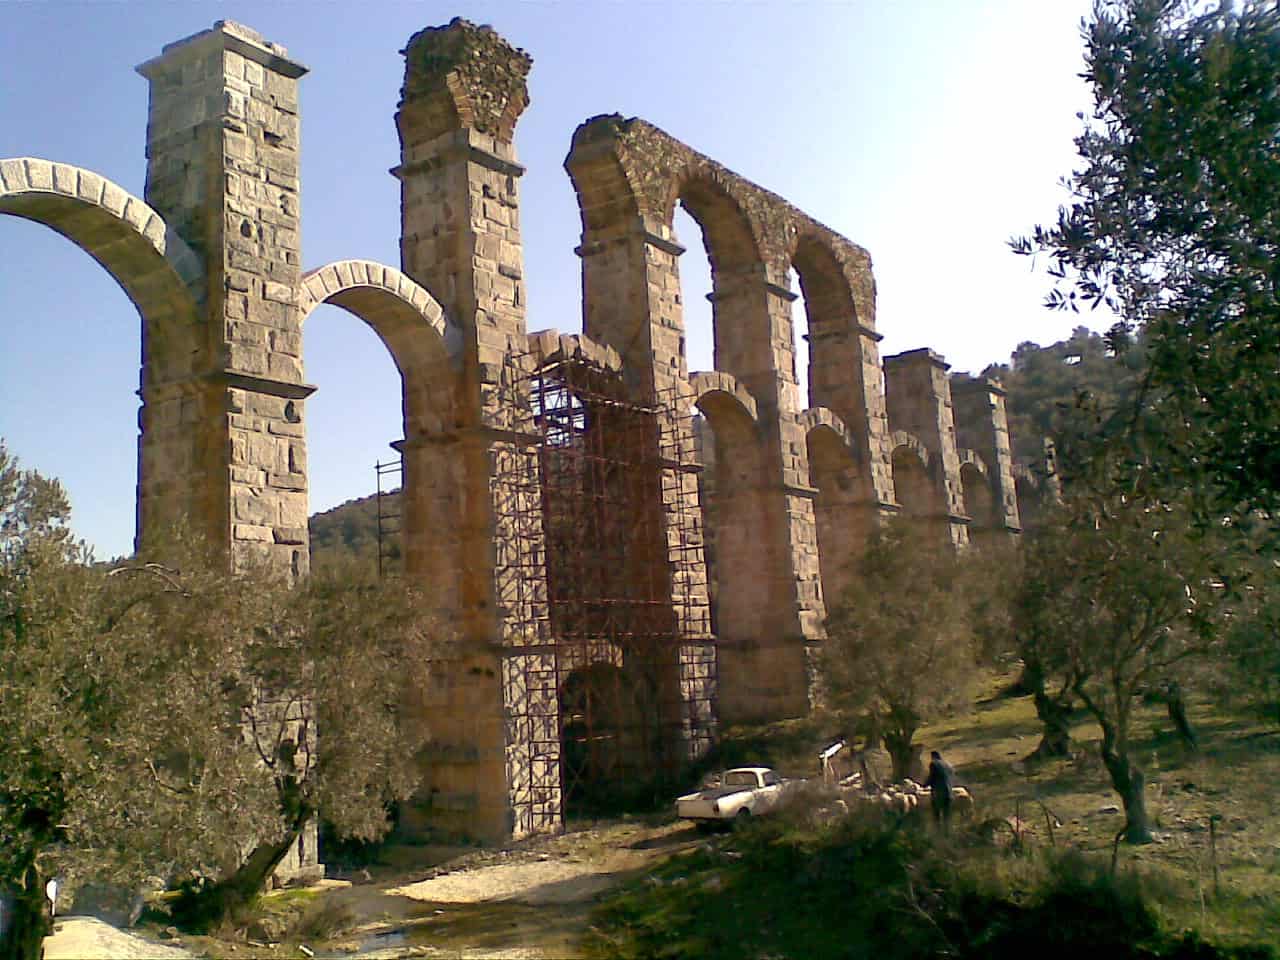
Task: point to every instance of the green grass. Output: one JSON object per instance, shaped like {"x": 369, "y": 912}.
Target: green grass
{"x": 864, "y": 886}
{"x": 797, "y": 888}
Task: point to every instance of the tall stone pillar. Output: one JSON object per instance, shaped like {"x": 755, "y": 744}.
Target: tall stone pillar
{"x": 631, "y": 302}
{"x": 983, "y": 426}
{"x": 846, "y": 377}
{"x": 225, "y": 402}
{"x": 918, "y": 392}
{"x": 495, "y": 770}
{"x": 853, "y": 477}
{"x": 765, "y": 671}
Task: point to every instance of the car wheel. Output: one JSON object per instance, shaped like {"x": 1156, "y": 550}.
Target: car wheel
{"x": 741, "y": 819}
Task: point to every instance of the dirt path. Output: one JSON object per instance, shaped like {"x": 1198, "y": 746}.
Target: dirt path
{"x": 84, "y": 938}
{"x": 530, "y": 901}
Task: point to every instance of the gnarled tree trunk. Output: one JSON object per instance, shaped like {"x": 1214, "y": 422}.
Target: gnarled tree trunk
{"x": 1130, "y": 783}
{"x": 24, "y": 917}
{"x": 902, "y": 753}
{"x": 1054, "y": 713}
{"x": 207, "y": 906}
{"x": 1177, "y": 708}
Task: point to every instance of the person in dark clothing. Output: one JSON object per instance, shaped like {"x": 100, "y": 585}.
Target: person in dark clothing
{"x": 941, "y": 779}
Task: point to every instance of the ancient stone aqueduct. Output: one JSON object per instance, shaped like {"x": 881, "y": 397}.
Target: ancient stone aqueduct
{"x": 560, "y": 492}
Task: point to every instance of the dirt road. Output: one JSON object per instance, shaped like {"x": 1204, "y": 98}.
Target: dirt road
{"x": 530, "y": 901}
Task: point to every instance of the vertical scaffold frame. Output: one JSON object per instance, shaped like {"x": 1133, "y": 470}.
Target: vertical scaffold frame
{"x": 631, "y": 673}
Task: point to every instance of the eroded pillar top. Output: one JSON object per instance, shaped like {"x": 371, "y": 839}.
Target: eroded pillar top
{"x": 462, "y": 76}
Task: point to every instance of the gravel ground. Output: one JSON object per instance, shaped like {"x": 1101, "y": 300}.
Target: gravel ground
{"x": 84, "y": 938}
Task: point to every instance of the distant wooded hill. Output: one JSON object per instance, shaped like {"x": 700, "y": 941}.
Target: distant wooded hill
{"x": 1039, "y": 381}
{"x": 349, "y": 531}
{"x": 1042, "y": 382}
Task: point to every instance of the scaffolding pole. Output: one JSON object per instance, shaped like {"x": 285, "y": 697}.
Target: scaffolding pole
{"x": 612, "y": 492}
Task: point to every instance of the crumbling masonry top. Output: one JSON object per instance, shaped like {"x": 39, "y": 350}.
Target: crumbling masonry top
{"x": 462, "y": 75}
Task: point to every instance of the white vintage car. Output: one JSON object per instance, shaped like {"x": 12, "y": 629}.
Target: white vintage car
{"x": 744, "y": 792}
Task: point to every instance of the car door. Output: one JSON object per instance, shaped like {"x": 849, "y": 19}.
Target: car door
{"x": 770, "y": 790}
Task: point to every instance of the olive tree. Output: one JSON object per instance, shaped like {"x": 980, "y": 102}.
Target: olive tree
{"x": 899, "y": 641}
{"x": 1118, "y": 596}
{"x": 994, "y": 586}
{"x": 164, "y": 717}
{"x": 1174, "y": 225}
{"x": 45, "y": 592}
{"x": 272, "y": 704}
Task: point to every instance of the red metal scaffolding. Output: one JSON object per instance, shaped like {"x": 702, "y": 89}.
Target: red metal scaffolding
{"x": 608, "y": 511}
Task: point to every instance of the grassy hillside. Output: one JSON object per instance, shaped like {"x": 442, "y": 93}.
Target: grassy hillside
{"x": 854, "y": 887}
{"x": 349, "y": 530}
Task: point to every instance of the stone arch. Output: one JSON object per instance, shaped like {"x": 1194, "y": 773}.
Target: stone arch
{"x": 164, "y": 280}
{"x": 607, "y": 198}
{"x": 734, "y": 510}
{"x": 729, "y": 236}
{"x": 714, "y": 388}
{"x": 425, "y": 345}
{"x": 840, "y": 507}
{"x": 901, "y": 441}
{"x": 1033, "y": 493}
{"x": 914, "y": 485}
{"x": 824, "y": 281}
{"x": 609, "y": 734}
{"x": 973, "y": 460}
{"x": 548, "y": 346}
{"x": 426, "y": 348}
{"x": 731, "y": 418}
{"x": 832, "y": 454}
{"x": 837, "y": 266}
{"x": 832, "y": 318}
{"x": 980, "y": 500}
{"x": 715, "y": 200}
{"x": 158, "y": 272}
{"x": 821, "y": 418}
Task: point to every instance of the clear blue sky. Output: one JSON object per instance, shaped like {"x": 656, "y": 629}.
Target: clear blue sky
{"x": 928, "y": 132}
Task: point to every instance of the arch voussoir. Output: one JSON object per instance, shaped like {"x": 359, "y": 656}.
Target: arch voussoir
{"x": 707, "y": 382}
{"x": 150, "y": 261}
{"x": 422, "y": 340}
{"x": 974, "y": 460}
{"x": 380, "y": 295}
{"x": 819, "y": 417}
{"x": 902, "y": 441}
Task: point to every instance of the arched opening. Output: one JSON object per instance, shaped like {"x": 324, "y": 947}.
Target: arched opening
{"x": 913, "y": 487}
{"x": 354, "y": 425}
{"x": 160, "y": 465}
{"x": 733, "y": 273}
{"x": 609, "y": 735}
{"x": 979, "y": 502}
{"x": 1032, "y": 497}
{"x": 801, "y": 340}
{"x": 413, "y": 332}
{"x": 695, "y": 293}
{"x": 734, "y": 516}
{"x": 843, "y": 520}
{"x": 834, "y": 371}
{"x": 70, "y": 356}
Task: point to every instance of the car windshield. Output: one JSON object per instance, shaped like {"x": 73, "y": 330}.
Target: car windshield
{"x": 740, "y": 778}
